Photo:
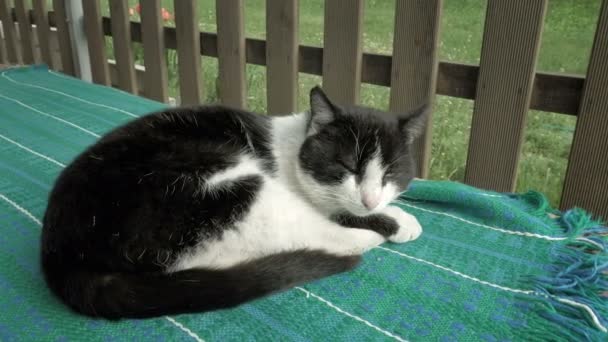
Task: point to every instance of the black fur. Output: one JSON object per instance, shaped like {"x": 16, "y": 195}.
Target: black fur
{"x": 116, "y": 295}
{"x": 381, "y": 224}
{"x": 122, "y": 211}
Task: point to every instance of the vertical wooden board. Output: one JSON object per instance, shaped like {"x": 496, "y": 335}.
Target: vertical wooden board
{"x": 414, "y": 66}
{"x": 586, "y": 182}
{"x": 22, "y": 10}
{"x": 12, "y": 50}
{"x": 123, "y": 50}
{"x": 508, "y": 60}
{"x": 342, "y": 50}
{"x": 154, "y": 51}
{"x": 188, "y": 51}
{"x": 3, "y": 58}
{"x": 231, "y": 52}
{"x": 64, "y": 37}
{"x": 96, "y": 42}
{"x": 41, "y": 20}
{"x": 282, "y": 56}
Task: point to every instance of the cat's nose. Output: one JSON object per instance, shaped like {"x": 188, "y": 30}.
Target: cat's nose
{"x": 370, "y": 201}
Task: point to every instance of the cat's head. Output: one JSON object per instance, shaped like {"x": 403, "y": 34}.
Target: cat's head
{"x": 355, "y": 158}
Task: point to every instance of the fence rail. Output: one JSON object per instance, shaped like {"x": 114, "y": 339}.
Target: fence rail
{"x": 504, "y": 86}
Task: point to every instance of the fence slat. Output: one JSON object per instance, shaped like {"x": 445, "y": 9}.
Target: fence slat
{"x": 342, "y": 50}
{"x": 156, "y": 78}
{"x": 41, "y": 20}
{"x": 231, "y": 52}
{"x": 64, "y": 38}
{"x": 414, "y": 69}
{"x": 587, "y": 173}
{"x": 12, "y": 51}
{"x": 506, "y": 73}
{"x": 3, "y": 58}
{"x": 93, "y": 28}
{"x": 552, "y": 92}
{"x": 22, "y": 11}
{"x": 188, "y": 51}
{"x": 282, "y": 56}
{"x": 123, "y": 51}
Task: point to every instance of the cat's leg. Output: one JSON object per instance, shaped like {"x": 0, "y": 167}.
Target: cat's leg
{"x": 392, "y": 222}
{"x": 297, "y": 224}
{"x": 277, "y": 221}
{"x": 353, "y": 241}
{"x": 292, "y": 222}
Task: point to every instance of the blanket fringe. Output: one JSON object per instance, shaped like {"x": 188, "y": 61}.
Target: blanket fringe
{"x": 575, "y": 292}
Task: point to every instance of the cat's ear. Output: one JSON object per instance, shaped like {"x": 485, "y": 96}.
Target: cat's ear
{"x": 412, "y": 124}
{"x": 322, "y": 110}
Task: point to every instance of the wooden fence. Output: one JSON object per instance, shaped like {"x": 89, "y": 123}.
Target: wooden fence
{"x": 504, "y": 86}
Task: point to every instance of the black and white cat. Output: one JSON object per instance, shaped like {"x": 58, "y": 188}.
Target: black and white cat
{"x": 196, "y": 209}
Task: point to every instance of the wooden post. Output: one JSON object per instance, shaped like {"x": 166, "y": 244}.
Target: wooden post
{"x": 342, "y": 50}
{"x": 41, "y": 20}
{"x": 64, "y": 37}
{"x": 3, "y": 58}
{"x": 22, "y": 10}
{"x": 231, "y": 52}
{"x": 504, "y": 87}
{"x": 282, "y": 56}
{"x": 156, "y": 77}
{"x": 80, "y": 47}
{"x": 12, "y": 51}
{"x": 414, "y": 67}
{"x": 188, "y": 51}
{"x": 586, "y": 183}
{"x": 96, "y": 42}
{"x": 123, "y": 51}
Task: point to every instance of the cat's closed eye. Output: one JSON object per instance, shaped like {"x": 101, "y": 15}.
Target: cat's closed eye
{"x": 387, "y": 176}
{"x": 348, "y": 166}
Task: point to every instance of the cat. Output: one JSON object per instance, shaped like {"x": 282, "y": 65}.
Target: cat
{"x": 202, "y": 208}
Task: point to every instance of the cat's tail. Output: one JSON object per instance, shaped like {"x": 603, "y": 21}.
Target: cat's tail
{"x": 133, "y": 295}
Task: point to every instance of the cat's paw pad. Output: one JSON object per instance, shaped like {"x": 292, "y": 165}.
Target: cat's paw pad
{"x": 409, "y": 227}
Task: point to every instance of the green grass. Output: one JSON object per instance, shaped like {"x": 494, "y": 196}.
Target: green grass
{"x": 566, "y": 44}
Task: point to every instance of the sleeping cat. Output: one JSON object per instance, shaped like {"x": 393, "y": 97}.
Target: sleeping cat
{"x": 203, "y": 208}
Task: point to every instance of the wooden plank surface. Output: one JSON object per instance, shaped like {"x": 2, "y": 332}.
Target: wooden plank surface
{"x": 414, "y": 69}
{"x": 156, "y": 78}
{"x": 96, "y": 41}
{"x": 188, "y": 51}
{"x": 42, "y": 29}
{"x": 508, "y": 60}
{"x": 123, "y": 50}
{"x": 3, "y": 58}
{"x": 22, "y": 10}
{"x": 282, "y": 56}
{"x": 342, "y": 50}
{"x": 231, "y": 52}
{"x": 63, "y": 37}
{"x": 586, "y": 182}
{"x": 12, "y": 50}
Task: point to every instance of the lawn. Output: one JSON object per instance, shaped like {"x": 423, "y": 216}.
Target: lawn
{"x": 566, "y": 44}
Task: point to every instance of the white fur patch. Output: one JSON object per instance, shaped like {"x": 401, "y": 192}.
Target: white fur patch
{"x": 246, "y": 166}
{"x": 371, "y": 184}
{"x": 277, "y": 221}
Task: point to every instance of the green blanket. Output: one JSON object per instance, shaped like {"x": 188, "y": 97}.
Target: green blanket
{"x": 488, "y": 267}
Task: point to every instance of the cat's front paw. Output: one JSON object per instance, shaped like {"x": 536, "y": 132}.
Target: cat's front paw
{"x": 409, "y": 228}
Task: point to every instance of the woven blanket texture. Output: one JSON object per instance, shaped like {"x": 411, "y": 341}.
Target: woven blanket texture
{"x": 488, "y": 266}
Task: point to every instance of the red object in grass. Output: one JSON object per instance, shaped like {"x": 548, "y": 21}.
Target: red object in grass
{"x": 138, "y": 8}
{"x": 166, "y": 14}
